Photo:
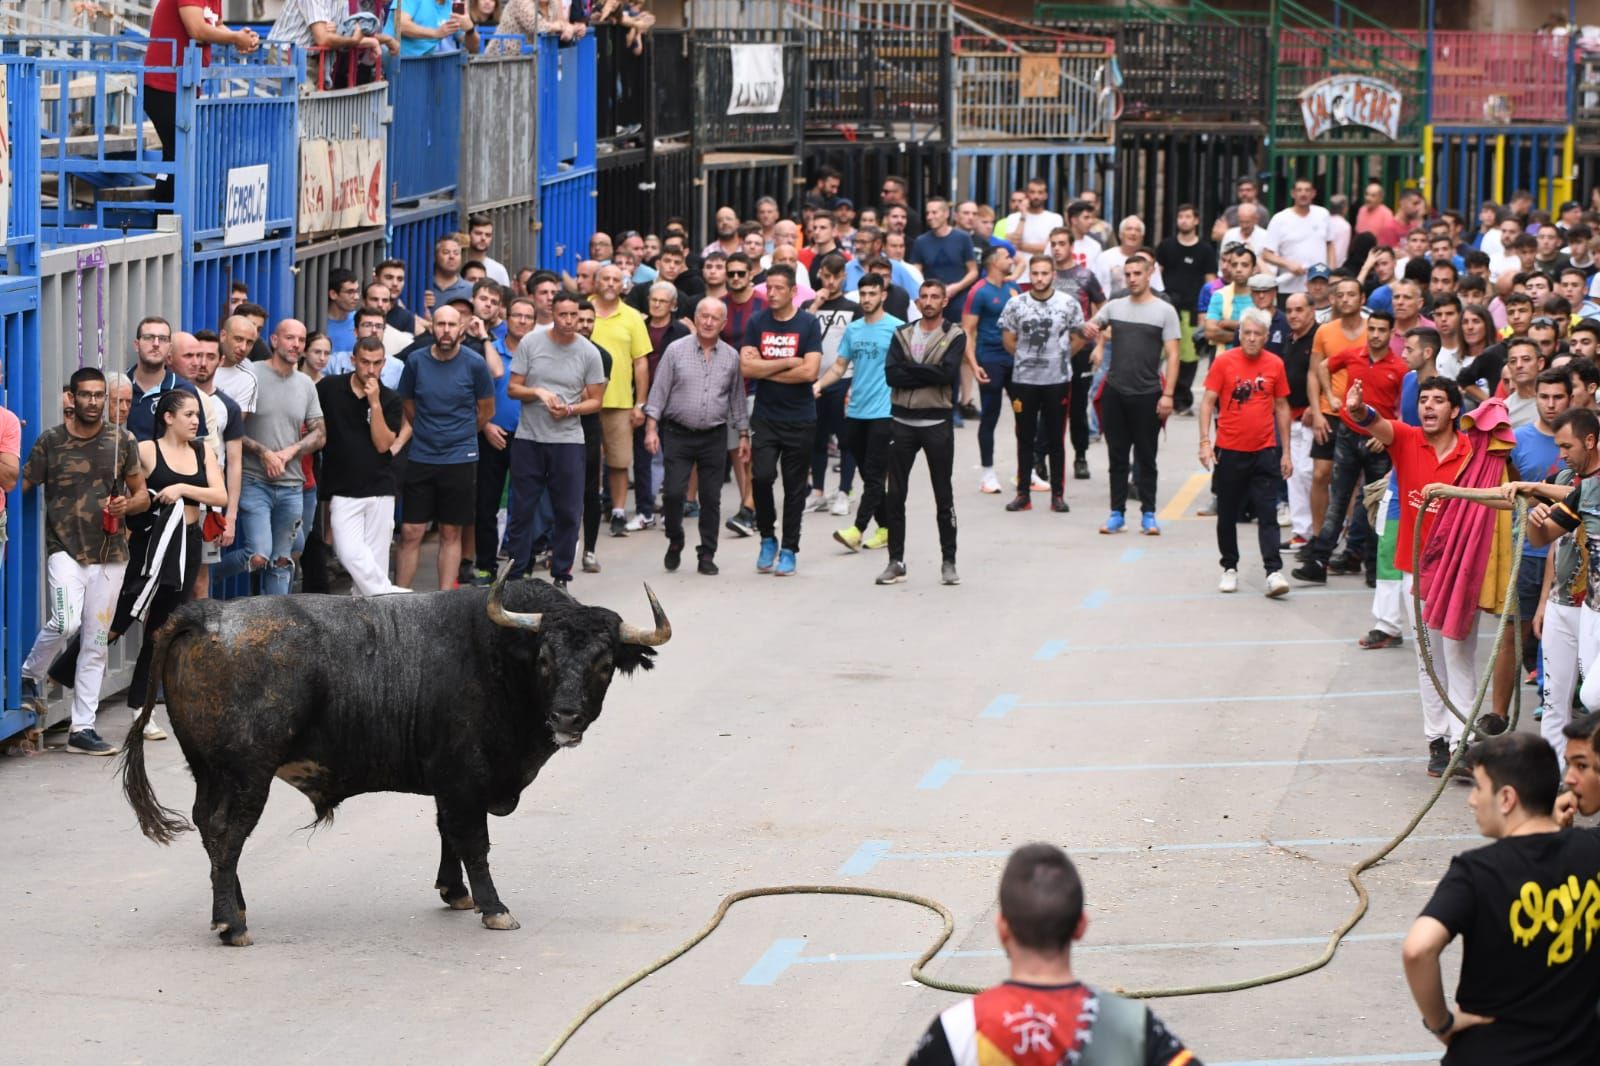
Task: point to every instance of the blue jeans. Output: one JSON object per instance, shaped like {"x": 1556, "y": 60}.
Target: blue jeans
{"x": 269, "y": 520}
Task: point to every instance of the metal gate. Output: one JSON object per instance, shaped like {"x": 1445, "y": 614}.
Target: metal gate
{"x": 1466, "y": 166}
{"x": 566, "y": 219}
{"x": 924, "y": 165}
{"x": 412, "y": 233}
{"x": 738, "y": 181}
{"x": 1160, "y": 167}
{"x": 516, "y": 233}
{"x": 989, "y": 175}
{"x": 266, "y": 267}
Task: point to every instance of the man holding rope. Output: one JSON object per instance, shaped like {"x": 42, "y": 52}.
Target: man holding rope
{"x": 1424, "y": 455}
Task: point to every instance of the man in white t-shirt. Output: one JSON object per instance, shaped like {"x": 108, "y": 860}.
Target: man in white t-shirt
{"x": 1297, "y": 238}
{"x": 1252, "y": 235}
{"x": 1107, "y": 267}
{"x": 1086, "y": 247}
{"x": 1032, "y": 233}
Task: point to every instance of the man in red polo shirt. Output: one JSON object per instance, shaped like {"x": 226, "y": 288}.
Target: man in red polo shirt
{"x": 1422, "y": 456}
{"x": 1355, "y": 462}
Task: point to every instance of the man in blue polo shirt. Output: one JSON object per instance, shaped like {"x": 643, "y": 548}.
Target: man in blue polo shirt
{"x": 448, "y": 395}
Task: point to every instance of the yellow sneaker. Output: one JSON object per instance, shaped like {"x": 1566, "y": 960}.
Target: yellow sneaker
{"x": 850, "y": 537}
{"x": 879, "y": 539}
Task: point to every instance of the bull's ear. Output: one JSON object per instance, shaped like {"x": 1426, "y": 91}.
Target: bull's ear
{"x": 631, "y": 657}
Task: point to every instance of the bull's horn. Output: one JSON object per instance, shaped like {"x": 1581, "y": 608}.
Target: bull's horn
{"x": 502, "y": 617}
{"x": 650, "y": 638}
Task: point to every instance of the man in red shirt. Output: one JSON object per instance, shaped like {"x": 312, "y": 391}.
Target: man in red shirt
{"x": 1355, "y": 461}
{"x": 1253, "y": 418}
{"x": 174, "y": 25}
{"x": 1433, "y": 453}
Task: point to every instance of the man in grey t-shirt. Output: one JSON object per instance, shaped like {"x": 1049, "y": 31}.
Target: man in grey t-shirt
{"x": 1138, "y": 388}
{"x": 559, "y": 377}
{"x": 285, "y": 427}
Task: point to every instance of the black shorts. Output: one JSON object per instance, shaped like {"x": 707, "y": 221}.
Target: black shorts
{"x": 1324, "y": 450}
{"x": 445, "y": 493}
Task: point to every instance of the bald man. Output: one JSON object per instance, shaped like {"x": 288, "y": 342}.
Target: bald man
{"x": 236, "y": 376}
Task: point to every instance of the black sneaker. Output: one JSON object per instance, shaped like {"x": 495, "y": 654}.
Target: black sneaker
{"x": 1080, "y": 468}
{"x": 619, "y": 524}
{"x": 1020, "y": 503}
{"x": 561, "y": 584}
{"x": 1058, "y": 504}
{"x": 1461, "y": 773}
{"x": 1438, "y": 756}
{"x": 88, "y": 742}
{"x": 1310, "y": 572}
{"x": 674, "y": 555}
{"x": 1343, "y": 565}
{"x": 465, "y": 573}
{"x": 970, "y": 410}
{"x": 707, "y": 567}
{"x": 742, "y": 524}
{"x": 1372, "y": 579}
{"x": 1303, "y": 554}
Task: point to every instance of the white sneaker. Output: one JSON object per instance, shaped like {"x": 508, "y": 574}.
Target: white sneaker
{"x": 817, "y": 503}
{"x": 841, "y": 504}
{"x": 1229, "y": 582}
{"x": 153, "y": 731}
{"x": 1038, "y": 484}
{"x": 639, "y": 521}
{"x": 1277, "y": 585}
{"x": 1284, "y": 521}
{"x": 989, "y": 483}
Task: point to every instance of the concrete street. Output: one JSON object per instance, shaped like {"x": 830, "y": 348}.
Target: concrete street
{"x": 1214, "y": 764}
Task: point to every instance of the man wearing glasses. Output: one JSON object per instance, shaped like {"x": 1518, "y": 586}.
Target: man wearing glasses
{"x": 152, "y": 344}
{"x": 90, "y": 473}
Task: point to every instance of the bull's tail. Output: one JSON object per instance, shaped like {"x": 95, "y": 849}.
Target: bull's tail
{"x": 159, "y": 823}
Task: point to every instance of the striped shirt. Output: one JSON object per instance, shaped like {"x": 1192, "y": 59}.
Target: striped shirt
{"x": 294, "y": 24}
{"x": 695, "y": 392}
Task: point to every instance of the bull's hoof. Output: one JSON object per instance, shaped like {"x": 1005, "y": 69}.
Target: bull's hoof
{"x": 503, "y": 920}
{"x": 462, "y": 902}
{"x": 235, "y": 940}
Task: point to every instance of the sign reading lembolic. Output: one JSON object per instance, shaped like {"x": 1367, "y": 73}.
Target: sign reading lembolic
{"x": 1351, "y": 100}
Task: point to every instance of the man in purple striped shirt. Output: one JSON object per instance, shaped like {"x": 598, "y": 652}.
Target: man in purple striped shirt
{"x": 696, "y": 393}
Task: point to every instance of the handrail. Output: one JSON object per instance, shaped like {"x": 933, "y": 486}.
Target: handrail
{"x": 1309, "y": 18}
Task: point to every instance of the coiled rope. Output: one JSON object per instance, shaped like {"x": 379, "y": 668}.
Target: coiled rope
{"x": 1508, "y": 617}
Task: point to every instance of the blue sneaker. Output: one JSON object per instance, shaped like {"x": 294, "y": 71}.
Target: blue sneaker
{"x": 1147, "y": 525}
{"x": 769, "y": 552}
{"x": 785, "y": 564}
{"x": 1115, "y": 524}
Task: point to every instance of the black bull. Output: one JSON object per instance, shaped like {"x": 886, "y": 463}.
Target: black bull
{"x": 461, "y": 695}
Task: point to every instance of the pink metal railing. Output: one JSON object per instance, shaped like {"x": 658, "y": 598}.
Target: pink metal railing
{"x": 1528, "y": 69}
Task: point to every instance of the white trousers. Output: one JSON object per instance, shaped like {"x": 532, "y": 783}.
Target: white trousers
{"x": 1455, "y": 663}
{"x": 1300, "y": 440}
{"x": 363, "y": 527}
{"x": 1589, "y": 659}
{"x": 80, "y": 597}
{"x": 1559, "y": 649}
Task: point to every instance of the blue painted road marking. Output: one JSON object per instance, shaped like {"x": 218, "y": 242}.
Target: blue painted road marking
{"x": 1133, "y": 555}
{"x": 1097, "y": 598}
{"x": 1003, "y": 705}
{"x": 872, "y": 852}
{"x": 784, "y": 954}
{"x": 941, "y": 773}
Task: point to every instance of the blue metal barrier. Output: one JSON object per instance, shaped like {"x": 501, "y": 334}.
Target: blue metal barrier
{"x": 988, "y": 175}
{"x": 21, "y": 575}
{"x": 566, "y": 219}
{"x": 566, "y": 127}
{"x": 21, "y": 252}
{"x": 1474, "y": 164}
{"x": 425, "y": 133}
{"x": 103, "y": 167}
{"x": 412, "y": 233}
{"x": 266, "y": 266}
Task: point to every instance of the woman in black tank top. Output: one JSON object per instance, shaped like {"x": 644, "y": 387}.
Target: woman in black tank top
{"x": 182, "y": 475}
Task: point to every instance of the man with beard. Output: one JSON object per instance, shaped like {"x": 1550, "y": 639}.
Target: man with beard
{"x": 1036, "y": 328}
{"x": 1186, "y": 263}
{"x": 363, "y": 418}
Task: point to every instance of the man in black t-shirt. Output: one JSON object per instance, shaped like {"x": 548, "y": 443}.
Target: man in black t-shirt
{"x": 781, "y": 354}
{"x": 363, "y": 418}
{"x": 1527, "y": 908}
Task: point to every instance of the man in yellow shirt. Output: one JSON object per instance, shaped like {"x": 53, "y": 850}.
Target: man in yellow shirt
{"x": 619, "y": 329}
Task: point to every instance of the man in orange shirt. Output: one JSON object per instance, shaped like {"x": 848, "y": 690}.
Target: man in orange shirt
{"x": 1346, "y": 330}
{"x": 1252, "y": 419}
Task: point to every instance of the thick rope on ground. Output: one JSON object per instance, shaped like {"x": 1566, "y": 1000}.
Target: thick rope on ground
{"x": 1363, "y": 900}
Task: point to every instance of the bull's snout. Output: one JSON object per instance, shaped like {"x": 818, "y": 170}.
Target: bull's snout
{"x": 567, "y": 728}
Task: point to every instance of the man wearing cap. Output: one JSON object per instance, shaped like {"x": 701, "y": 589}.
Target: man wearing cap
{"x": 1264, "y": 297}
{"x": 1297, "y": 238}
{"x": 1319, "y": 291}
